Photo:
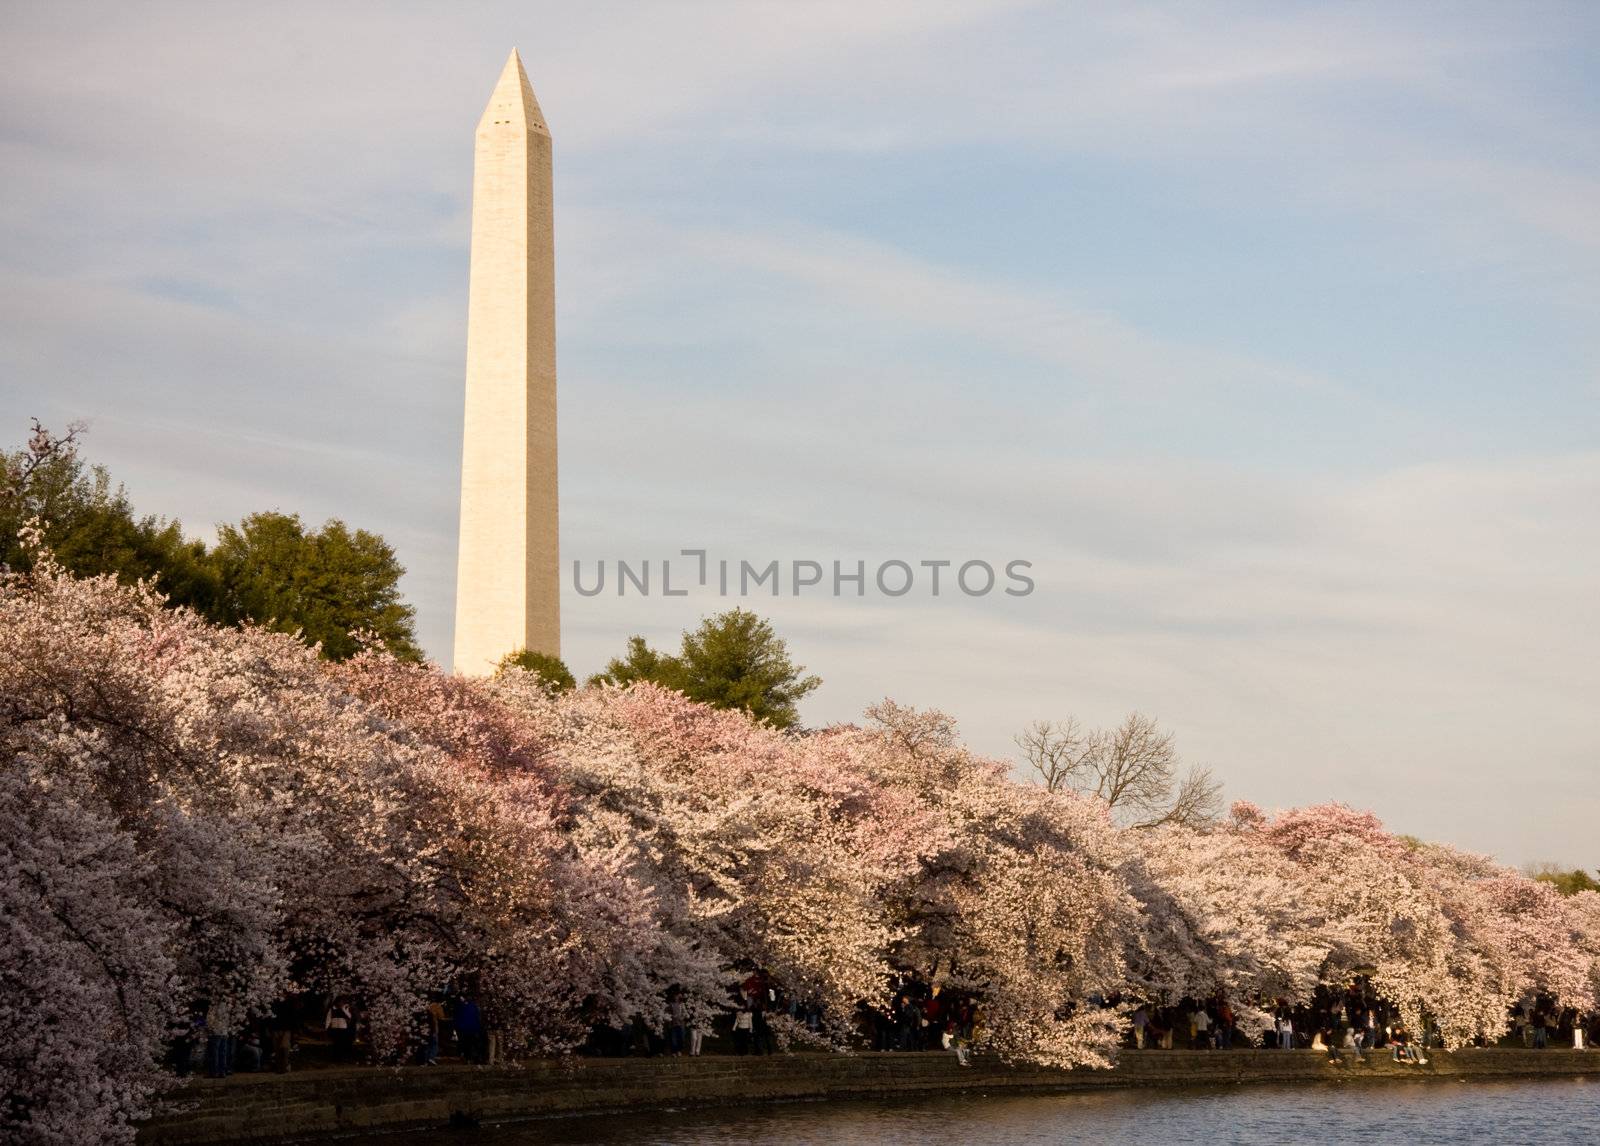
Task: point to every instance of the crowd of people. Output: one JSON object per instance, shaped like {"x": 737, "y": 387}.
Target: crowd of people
{"x": 1539, "y": 1021}
{"x": 208, "y": 1041}
{"x": 923, "y": 1016}
{"x": 1350, "y": 1020}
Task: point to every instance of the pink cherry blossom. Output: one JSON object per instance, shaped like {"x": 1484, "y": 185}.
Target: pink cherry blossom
{"x": 196, "y": 812}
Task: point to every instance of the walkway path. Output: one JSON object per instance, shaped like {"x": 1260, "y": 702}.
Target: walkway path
{"x": 273, "y": 1107}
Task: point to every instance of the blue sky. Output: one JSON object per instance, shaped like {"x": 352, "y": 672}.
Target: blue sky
{"x": 1265, "y": 331}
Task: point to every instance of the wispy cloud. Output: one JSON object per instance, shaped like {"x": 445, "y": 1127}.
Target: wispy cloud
{"x": 1265, "y": 332}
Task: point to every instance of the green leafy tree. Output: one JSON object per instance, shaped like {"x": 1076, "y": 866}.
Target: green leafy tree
{"x": 90, "y": 525}
{"x": 733, "y": 660}
{"x": 553, "y": 673}
{"x": 640, "y": 662}
{"x": 330, "y": 584}
{"x": 1565, "y": 881}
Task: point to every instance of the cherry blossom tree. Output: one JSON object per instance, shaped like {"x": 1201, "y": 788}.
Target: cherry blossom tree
{"x": 86, "y": 975}
{"x": 1451, "y": 937}
{"x": 760, "y": 848}
{"x": 191, "y": 812}
{"x": 1023, "y": 901}
{"x": 1222, "y": 916}
{"x": 289, "y": 833}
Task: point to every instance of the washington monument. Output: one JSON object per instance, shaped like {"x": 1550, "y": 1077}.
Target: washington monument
{"x": 508, "y": 592}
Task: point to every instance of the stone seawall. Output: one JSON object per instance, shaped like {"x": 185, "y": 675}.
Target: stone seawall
{"x": 277, "y": 1108}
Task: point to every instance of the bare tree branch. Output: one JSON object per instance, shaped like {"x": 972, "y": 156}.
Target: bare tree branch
{"x": 1133, "y": 768}
{"x": 1196, "y": 802}
{"x": 43, "y": 447}
{"x": 1056, "y": 750}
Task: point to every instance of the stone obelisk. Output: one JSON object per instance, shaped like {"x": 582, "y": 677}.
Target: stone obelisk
{"x": 508, "y": 584}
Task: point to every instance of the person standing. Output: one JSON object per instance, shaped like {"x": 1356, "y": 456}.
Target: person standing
{"x": 933, "y": 1018}
{"x": 435, "y": 1019}
{"x": 1285, "y": 1031}
{"x": 743, "y": 1027}
{"x": 280, "y": 1027}
{"x": 469, "y": 1029}
{"x": 189, "y": 1039}
{"x": 906, "y": 1015}
{"x": 761, "y": 1037}
{"x": 219, "y": 1041}
{"x": 340, "y": 1023}
{"x": 677, "y": 1021}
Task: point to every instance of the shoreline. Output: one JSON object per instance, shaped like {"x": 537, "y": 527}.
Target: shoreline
{"x": 328, "y": 1103}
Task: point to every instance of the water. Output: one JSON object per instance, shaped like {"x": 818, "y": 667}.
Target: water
{"x": 1505, "y": 1113}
